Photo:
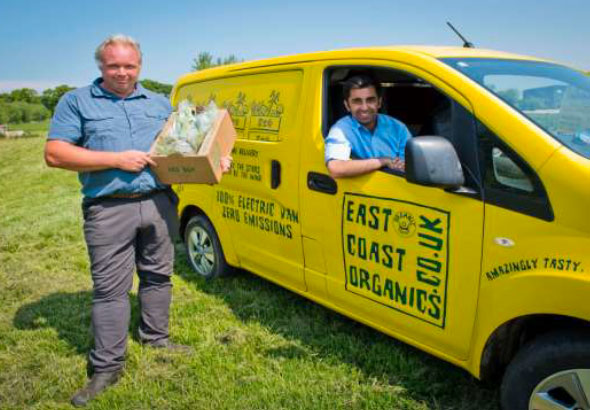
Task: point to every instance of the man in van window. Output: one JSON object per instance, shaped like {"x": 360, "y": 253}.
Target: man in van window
{"x": 374, "y": 140}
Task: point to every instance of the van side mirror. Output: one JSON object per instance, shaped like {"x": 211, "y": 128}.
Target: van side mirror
{"x": 433, "y": 161}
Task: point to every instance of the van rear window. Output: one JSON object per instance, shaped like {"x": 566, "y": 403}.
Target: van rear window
{"x": 263, "y": 106}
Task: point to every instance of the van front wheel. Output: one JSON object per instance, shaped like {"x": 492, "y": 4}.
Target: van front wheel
{"x": 552, "y": 372}
{"x": 203, "y": 249}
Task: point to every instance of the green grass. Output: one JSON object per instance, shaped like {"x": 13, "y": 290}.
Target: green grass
{"x": 257, "y": 346}
{"x": 36, "y": 127}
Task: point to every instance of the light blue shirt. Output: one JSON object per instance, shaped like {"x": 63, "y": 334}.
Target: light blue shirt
{"x": 95, "y": 119}
{"x": 348, "y": 137}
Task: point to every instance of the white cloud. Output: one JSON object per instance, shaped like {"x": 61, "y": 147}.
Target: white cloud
{"x": 39, "y": 86}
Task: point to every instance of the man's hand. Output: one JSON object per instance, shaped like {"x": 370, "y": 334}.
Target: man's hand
{"x": 393, "y": 163}
{"x": 398, "y": 164}
{"x": 133, "y": 161}
{"x": 225, "y": 163}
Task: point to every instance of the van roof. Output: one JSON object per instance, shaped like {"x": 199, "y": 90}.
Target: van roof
{"x": 351, "y": 53}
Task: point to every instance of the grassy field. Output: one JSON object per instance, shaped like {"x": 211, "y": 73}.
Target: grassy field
{"x": 32, "y": 127}
{"x": 256, "y": 345}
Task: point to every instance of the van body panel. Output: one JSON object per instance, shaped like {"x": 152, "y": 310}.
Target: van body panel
{"x": 254, "y": 198}
{"x": 191, "y": 197}
{"x": 562, "y": 175}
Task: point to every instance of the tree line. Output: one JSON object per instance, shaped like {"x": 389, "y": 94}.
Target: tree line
{"x": 27, "y": 105}
{"x": 206, "y": 60}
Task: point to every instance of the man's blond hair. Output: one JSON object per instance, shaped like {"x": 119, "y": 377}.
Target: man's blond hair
{"x": 116, "y": 39}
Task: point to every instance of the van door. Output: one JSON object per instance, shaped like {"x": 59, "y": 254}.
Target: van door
{"x": 258, "y": 199}
{"x": 403, "y": 258}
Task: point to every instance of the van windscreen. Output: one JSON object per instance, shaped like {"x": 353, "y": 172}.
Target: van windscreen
{"x": 555, "y": 97}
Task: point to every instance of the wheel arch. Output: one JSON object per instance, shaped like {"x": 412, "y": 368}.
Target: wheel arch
{"x": 507, "y": 339}
{"x": 221, "y": 229}
{"x": 187, "y": 213}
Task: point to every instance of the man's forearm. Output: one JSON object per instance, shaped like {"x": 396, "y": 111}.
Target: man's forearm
{"x": 354, "y": 167}
{"x": 61, "y": 154}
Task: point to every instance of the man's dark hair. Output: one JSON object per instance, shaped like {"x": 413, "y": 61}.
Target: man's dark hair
{"x": 360, "y": 81}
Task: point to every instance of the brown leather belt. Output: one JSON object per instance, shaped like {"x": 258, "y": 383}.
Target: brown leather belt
{"x": 126, "y": 196}
{"x": 90, "y": 201}
{"x": 133, "y": 196}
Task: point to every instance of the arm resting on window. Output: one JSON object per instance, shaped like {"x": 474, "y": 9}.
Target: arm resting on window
{"x": 353, "y": 167}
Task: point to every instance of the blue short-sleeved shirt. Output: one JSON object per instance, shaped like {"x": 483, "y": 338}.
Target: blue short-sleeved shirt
{"x": 349, "y": 137}
{"x": 95, "y": 119}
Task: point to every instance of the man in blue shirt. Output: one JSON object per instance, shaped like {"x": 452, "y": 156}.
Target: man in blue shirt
{"x": 375, "y": 140}
{"x": 104, "y": 132}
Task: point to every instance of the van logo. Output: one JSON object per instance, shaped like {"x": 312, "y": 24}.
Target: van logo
{"x": 407, "y": 274}
{"x": 404, "y": 223}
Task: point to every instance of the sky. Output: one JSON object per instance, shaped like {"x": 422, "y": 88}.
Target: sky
{"x": 47, "y": 43}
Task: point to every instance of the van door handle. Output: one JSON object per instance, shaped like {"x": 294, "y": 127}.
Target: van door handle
{"x": 275, "y": 174}
{"x": 321, "y": 183}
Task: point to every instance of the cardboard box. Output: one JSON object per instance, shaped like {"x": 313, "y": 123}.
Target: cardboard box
{"x": 203, "y": 167}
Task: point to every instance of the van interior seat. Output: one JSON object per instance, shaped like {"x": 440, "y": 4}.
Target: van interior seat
{"x": 423, "y": 109}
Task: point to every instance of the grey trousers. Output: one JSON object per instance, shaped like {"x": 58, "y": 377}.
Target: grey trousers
{"x": 124, "y": 235}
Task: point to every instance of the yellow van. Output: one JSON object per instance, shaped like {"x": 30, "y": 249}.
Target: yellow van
{"x": 479, "y": 253}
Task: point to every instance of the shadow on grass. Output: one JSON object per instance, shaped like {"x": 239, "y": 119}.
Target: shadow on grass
{"x": 69, "y": 314}
{"x": 329, "y": 336}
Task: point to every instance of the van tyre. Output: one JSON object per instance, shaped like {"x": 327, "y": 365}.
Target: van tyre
{"x": 550, "y": 372}
{"x": 203, "y": 249}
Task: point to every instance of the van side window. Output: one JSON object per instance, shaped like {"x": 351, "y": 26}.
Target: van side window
{"x": 508, "y": 174}
{"x": 422, "y": 107}
{"x": 509, "y": 182}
